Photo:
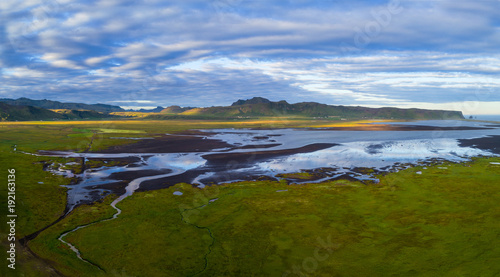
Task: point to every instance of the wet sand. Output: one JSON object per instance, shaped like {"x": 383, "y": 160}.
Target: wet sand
{"x": 186, "y": 177}
{"x": 170, "y": 144}
{"x": 489, "y": 143}
{"x": 122, "y": 161}
{"x": 116, "y": 187}
{"x": 255, "y": 146}
{"x": 131, "y": 175}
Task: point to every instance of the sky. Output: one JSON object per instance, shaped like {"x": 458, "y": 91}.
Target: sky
{"x": 141, "y": 54}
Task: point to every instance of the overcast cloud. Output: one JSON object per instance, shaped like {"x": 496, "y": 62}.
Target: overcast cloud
{"x": 427, "y": 54}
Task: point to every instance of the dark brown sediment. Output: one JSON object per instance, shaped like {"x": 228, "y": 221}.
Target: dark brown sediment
{"x": 489, "y": 143}
{"x": 169, "y": 144}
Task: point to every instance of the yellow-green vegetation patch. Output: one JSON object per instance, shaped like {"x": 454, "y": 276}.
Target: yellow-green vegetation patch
{"x": 80, "y": 130}
{"x": 119, "y": 131}
{"x": 81, "y": 135}
{"x": 72, "y": 164}
{"x": 298, "y": 175}
{"x": 94, "y": 163}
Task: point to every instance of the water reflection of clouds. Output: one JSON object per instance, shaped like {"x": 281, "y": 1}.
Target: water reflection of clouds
{"x": 294, "y": 138}
{"x": 358, "y": 154}
{"x": 104, "y": 172}
{"x": 356, "y": 149}
{"x": 237, "y": 137}
{"x": 183, "y": 161}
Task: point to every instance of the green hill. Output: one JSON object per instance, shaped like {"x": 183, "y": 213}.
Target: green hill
{"x": 49, "y": 104}
{"x": 27, "y": 109}
{"x": 26, "y": 113}
{"x": 12, "y": 113}
{"x": 175, "y": 110}
{"x": 261, "y": 107}
{"x": 82, "y": 114}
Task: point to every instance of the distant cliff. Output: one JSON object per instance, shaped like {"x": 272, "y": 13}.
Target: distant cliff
{"x": 260, "y": 107}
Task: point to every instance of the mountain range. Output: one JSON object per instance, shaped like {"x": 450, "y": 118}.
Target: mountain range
{"x": 49, "y": 104}
{"x": 27, "y": 113}
{"x": 28, "y": 109}
{"x": 260, "y": 107}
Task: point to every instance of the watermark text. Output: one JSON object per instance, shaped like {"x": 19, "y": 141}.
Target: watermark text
{"x": 11, "y": 218}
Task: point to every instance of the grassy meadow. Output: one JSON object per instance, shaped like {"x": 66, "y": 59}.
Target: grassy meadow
{"x": 443, "y": 222}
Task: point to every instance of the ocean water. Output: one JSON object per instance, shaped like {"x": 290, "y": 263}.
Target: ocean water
{"x": 494, "y": 117}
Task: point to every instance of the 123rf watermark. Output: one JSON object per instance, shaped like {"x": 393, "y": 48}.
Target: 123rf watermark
{"x": 11, "y": 218}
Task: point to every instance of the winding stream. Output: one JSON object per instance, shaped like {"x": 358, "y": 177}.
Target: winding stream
{"x": 130, "y": 189}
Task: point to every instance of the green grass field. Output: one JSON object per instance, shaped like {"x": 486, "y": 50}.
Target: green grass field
{"x": 443, "y": 222}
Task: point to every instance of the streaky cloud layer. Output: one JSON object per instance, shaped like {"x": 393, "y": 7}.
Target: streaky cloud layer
{"x": 204, "y": 53}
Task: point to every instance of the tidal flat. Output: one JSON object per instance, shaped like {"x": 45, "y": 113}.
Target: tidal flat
{"x": 431, "y": 211}
{"x": 213, "y": 156}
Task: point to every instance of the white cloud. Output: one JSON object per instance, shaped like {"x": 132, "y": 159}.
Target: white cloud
{"x": 22, "y": 72}
{"x": 132, "y": 101}
{"x": 69, "y": 64}
{"x": 78, "y": 19}
{"x": 96, "y": 60}
{"x": 431, "y": 52}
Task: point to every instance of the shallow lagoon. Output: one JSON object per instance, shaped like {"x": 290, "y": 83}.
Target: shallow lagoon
{"x": 379, "y": 150}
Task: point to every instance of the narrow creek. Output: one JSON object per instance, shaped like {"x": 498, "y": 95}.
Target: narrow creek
{"x": 130, "y": 189}
{"x": 205, "y": 257}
